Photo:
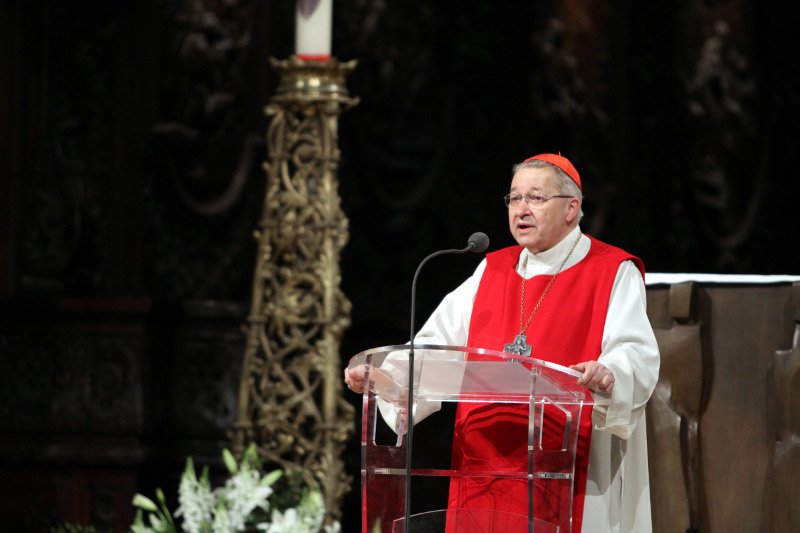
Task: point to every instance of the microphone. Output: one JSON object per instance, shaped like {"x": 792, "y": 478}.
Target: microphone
{"x": 477, "y": 242}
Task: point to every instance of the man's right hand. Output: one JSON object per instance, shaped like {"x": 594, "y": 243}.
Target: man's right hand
{"x": 354, "y": 378}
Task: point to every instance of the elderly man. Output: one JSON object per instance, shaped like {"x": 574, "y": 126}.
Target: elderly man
{"x": 568, "y": 298}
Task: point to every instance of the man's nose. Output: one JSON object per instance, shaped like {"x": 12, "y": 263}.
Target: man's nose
{"x": 522, "y": 208}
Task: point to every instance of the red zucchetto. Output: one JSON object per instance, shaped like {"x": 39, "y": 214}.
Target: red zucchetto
{"x": 561, "y": 162}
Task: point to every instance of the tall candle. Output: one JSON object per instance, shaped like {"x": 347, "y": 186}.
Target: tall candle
{"x": 313, "y": 22}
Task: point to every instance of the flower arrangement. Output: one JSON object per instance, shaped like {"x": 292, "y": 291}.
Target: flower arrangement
{"x": 241, "y": 504}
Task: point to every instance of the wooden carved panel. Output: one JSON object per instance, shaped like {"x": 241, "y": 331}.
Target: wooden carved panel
{"x": 673, "y": 421}
{"x": 784, "y": 490}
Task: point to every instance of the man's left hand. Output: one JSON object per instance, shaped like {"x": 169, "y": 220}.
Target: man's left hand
{"x": 595, "y": 376}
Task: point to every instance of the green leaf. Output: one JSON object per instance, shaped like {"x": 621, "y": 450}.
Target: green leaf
{"x": 204, "y": 482}
{"x": 189, "y": 469}
{"x": 155, "y": 522}
{"x": 143, "y": 502}
{"x": 165, "y": 514}
{"x": 230, "y": 461}
{"x": 271, "y": 478}
{"x": 250, "y": 456}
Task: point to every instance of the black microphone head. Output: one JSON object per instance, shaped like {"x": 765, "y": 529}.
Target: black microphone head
{"x": 478, "y": 242}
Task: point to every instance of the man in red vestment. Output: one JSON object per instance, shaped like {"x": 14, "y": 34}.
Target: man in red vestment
{"x": 570, "y": 299}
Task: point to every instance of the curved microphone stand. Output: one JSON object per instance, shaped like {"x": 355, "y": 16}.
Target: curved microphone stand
{"x": 477, "y": 242}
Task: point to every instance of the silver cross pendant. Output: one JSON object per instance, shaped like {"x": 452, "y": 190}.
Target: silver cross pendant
{"x": 519, "y": 346}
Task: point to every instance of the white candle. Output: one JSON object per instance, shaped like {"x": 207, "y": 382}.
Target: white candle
{"x": 312, "y": 38}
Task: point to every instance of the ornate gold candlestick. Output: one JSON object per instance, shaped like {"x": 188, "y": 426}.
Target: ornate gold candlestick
{"x": 290, "y": 400}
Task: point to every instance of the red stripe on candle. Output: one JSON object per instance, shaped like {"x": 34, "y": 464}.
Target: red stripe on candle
{"x": 314, "y": 57}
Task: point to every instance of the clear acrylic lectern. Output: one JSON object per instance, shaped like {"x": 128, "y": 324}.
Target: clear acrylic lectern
{"x": 461, "y": 374}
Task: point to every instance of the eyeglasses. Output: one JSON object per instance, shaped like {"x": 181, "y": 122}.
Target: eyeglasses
{"x": 533, "y": 200}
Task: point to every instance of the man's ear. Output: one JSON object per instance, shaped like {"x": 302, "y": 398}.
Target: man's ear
{"x": 573, "y": 209}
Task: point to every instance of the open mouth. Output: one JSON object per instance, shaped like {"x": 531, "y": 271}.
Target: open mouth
{"x": 522, "y": 225}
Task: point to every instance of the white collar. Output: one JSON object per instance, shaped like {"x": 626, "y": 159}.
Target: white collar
{"x": 552, "y": 255}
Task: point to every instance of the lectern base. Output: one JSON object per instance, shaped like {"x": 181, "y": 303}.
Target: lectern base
{"x": 472, "y": 521}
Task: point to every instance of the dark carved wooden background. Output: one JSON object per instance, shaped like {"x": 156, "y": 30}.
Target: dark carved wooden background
{"x": 131, "y": 141}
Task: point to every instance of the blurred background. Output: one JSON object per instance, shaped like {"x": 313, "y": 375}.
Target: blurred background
{"x": 132, "y": 142}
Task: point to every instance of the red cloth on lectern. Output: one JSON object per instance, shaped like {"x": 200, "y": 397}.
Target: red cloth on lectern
{"x": 567, "y": 329}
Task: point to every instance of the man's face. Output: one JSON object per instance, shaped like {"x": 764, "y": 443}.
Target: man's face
{"x": 539, "y": 228}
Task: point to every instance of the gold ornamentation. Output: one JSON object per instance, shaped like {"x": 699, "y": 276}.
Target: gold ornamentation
{"x": 290, "y": 400}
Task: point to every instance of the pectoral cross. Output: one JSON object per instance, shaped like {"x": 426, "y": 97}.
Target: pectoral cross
{"x": 519, "y": 346}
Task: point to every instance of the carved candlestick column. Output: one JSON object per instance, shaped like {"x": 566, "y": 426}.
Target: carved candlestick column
{"x": 290, "y": 400}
